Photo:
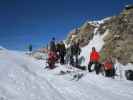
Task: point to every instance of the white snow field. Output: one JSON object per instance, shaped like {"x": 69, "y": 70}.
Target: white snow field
{"x": 24, "y": 78}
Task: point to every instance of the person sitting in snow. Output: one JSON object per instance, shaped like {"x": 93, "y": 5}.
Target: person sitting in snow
{"x": 94, "y": 59}
{"x": 109, "y": 67}
{"x": 52, "y": 54}
{"x": 51, "y": 59}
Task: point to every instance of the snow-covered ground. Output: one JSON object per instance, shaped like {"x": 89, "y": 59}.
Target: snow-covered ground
{"x": 24, "y": 78}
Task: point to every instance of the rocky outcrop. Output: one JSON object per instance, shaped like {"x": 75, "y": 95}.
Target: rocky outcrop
{"x": 72, "y": 36}
{"x": 118, "y": 42}
{"x": 86, "y": 33}
{"x": 83, "y": 34}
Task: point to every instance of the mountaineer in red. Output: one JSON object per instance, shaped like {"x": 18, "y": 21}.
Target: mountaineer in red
{"x": 94, "y": 59}
{"x": 109, "y": 67}
{"x": 52, "y": 59}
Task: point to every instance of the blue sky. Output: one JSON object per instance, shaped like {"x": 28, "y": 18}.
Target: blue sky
{"x": 36, "y": 21}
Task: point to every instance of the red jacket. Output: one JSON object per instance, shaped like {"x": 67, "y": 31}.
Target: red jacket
{"x": 94, "y": 56}
{"x": 51, "y": 55}
{"x": 108, "y": 65}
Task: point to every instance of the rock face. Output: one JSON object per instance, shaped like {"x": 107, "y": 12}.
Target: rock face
{"x": 83, "y": 34}
{"x": 73, "y": 35}
{"x": 118, "y": 42}
{"x": 86, "y": 33}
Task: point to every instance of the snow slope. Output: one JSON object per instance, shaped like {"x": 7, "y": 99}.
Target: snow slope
{"x": 24, "y": 78}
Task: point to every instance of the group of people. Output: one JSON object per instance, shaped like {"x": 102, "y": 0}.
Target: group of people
{"x": 107, "y": 66}
{"x": 58, "y": 52}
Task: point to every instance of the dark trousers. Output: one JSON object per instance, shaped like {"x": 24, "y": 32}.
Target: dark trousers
{"x": 74, "y": 62}
{"x": 97, "y": 67}
{"x": 71, "y": 60}
{"x": 62, "y": 61}
{"x": 110, "y": 73}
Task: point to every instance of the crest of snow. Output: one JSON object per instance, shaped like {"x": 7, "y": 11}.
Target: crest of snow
{"x": 95, "y": 23}
{"x": 96, "y": 42}
{"x": 98, "y": 22}
{"x": 106, "y": 19}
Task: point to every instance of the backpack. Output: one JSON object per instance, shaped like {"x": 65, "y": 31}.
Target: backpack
{"x": 129, "y": 74}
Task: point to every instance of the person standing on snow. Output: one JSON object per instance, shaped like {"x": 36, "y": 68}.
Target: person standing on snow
{"x": 62, "y": 52}
{"x": 75, "y": 52}
{"x": 30, "y": 48}
{"x": 51, "y": 59}
{"x": 94, "y": 59}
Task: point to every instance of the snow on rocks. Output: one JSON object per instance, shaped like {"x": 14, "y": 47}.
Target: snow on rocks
{"x": 98, "y": 22}
{"x": 96, "y": 42}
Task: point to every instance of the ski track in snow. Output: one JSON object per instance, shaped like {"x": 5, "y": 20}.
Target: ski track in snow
{"x": 24, "y": 78}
